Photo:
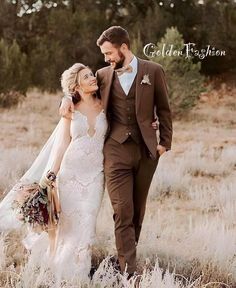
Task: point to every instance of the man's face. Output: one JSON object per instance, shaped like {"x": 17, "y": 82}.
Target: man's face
{"x": 112, "y": 54}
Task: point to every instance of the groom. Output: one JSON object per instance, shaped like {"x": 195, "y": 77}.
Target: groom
{"x": 133, "y": 91}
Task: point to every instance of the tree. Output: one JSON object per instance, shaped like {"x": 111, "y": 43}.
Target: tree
{"x": 184, "y": 80}
{"x": 13, "y": 72}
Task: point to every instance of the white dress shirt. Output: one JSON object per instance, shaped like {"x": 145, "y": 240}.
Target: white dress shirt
{"x": 127, "y": 78}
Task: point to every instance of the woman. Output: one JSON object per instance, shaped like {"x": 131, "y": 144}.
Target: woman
{"x": 79, "y": 164}
{"x": 74, "y": 155}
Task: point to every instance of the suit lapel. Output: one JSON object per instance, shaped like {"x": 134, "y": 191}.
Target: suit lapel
{"x": 139, "y": 86}
{"x": 106, "y": 92}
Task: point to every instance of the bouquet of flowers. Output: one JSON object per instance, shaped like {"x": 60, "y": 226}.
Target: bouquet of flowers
{"x": 38, "y": 204}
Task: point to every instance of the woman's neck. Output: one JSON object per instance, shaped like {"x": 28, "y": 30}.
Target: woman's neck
{"x": 88, "y": 99}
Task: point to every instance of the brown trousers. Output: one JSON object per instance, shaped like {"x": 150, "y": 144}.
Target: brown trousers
{"x": 128, "y": 172}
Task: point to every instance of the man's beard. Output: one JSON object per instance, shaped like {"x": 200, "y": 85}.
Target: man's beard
{"x": 121, "y": 61}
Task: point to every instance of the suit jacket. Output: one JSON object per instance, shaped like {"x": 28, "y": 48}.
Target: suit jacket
{"x": 150, "y": 100}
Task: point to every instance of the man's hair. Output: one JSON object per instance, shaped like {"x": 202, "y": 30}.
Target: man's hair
{"x": 116, "y": 35}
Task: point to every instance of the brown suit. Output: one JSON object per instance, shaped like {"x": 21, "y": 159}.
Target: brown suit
{"x": 130, "y": 149}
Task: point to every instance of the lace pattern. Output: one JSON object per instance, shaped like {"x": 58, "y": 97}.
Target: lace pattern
{"x": 81, "y": 185}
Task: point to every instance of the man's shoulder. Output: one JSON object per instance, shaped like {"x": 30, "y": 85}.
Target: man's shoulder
{"x": 103, "y": 70}
{"x": 151, "y": 64}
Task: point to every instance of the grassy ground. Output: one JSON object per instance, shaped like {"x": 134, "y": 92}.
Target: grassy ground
{"x": 189, "y": 232}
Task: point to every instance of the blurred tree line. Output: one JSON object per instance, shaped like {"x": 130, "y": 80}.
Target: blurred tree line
{"x": 39, "y": 39}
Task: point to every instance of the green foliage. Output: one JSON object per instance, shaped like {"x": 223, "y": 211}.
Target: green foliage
{"x": 184, "y": 80}
{"x": 137, "y": 45}
{"x": 46, "y": 62}
{"x": 51, "y": 37}
{"x": 70, "y": 38}
{"x": 13, "y": 73}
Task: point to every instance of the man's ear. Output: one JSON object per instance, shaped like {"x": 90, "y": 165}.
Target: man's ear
{"x": 123, "y": 47}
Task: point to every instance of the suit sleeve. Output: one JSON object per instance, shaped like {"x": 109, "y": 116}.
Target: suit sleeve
{"x": 97, "y": 75}
{"x": 163, "y": 109}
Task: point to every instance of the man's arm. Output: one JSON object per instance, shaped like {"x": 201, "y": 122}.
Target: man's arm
{"x": 97, "y": 75}
{"x": 163, "y": 109}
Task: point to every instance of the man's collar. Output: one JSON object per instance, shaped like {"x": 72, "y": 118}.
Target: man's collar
{"x": 134, "y": 63}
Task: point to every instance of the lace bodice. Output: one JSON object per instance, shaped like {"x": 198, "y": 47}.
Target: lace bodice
{"x": 83, "y": 159}
{"x": 80, "y": 126}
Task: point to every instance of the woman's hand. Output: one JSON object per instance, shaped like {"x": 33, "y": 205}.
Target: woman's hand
{"x": 47, "y": 180}
{"x": 66, "y": 108}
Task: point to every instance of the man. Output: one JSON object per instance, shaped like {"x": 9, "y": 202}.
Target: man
{"x": 133, "y": 91}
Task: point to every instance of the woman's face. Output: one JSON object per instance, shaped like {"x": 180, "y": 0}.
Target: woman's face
{"x": 87, "y": 82}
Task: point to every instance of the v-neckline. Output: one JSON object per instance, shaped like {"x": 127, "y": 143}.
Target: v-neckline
{"x": 87, "y": 122}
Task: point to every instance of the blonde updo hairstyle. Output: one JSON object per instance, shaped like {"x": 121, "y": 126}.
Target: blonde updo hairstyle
{"x": 70, "y": 79}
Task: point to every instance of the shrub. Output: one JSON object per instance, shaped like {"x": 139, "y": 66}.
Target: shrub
{"x": 13, "y": 73}
{"x": 184, "y": 80}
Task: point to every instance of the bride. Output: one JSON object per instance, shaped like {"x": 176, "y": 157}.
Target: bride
{"x": 74, "y": 154}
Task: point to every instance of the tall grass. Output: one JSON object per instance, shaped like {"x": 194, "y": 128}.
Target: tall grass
{"x": 189, "y": 230}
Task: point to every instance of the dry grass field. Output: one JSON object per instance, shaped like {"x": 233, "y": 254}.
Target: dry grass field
{"x": 189, "y": 232}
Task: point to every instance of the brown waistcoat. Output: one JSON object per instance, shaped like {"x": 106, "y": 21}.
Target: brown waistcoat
{"x": 151, "y": 98}
{"x": 123, "y": 122}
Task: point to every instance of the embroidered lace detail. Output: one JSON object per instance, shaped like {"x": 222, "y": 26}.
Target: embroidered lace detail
{"x": 80, "y": 185}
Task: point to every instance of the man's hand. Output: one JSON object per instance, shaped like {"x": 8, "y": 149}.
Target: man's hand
{"x": 161, "y": 149}
{"x": 155, "y": 124}
{"x": 66, "y": 108}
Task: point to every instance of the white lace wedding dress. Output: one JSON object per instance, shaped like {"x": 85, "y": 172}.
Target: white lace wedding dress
{"x": 80, "y": 185}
